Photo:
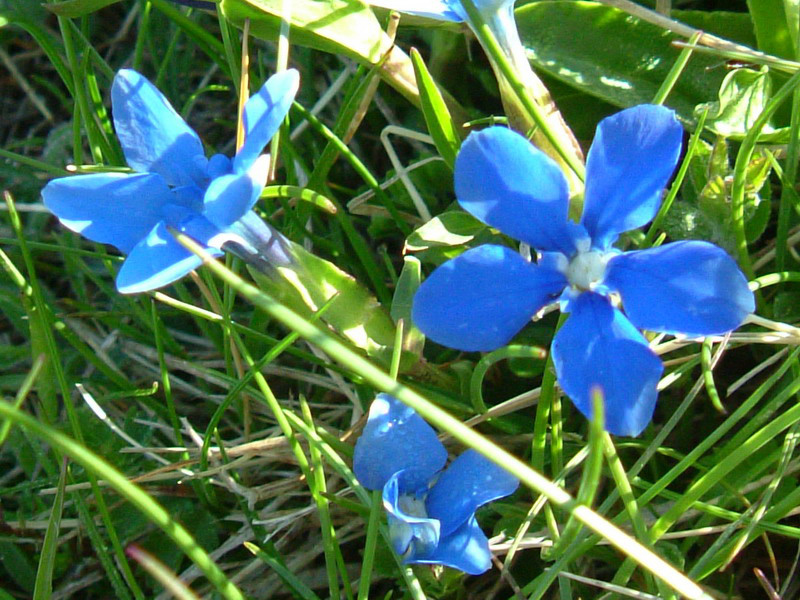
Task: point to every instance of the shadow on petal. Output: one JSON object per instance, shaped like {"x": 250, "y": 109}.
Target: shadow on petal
{"x": 154, "y": 137}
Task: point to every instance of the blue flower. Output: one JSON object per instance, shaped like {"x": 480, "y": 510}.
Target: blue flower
{"x": 431, "y": 514}
{"x": 480, "y": 299}
{"x": 174, "y": 185}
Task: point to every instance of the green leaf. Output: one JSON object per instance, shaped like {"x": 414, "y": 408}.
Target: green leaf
{"x": 403, "y": 301}
{"x": 346, "y": 27}
{"x": 742, "y": 97}
{"x": 570, "y": 41}
{"x": 313, "y": 282}
{"x": 772, "y": 30}
{"x": 44, "y": 576}
{"x": 453, "y": 228}
{"x": 733, "y": 26}
{"x": 446, "y": 136}
{"x": 337, "y": 26}
{"x": 17, "y": 565}
{"x": 78, "y": 8}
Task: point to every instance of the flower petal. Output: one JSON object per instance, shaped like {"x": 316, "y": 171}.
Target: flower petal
{"x": 633, "y": 156}
{"x": 466, "y": 549}
{"x": 263, "y": 114}
{"x": 154, "y": 137}
{"x": 504, "y": 181}
{"x": 156, "y": 261}
{"x": 441, "y": 10}
{"x": 230, "y": 197}
{"x": 481, "y": 298}
{"x": 599, "y": 348}
{"x": 397, "y": 439}
{"x": 469, "y": 482}
{"x": 110, "y": 208}
{"x": 689, "y": 287}
{"x": 410, "y": 534}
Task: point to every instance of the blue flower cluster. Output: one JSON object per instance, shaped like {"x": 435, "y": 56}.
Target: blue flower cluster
{"x": 431, "y": 512}
{"x": 482, "y": 298}
{"x": 174, "y": 185}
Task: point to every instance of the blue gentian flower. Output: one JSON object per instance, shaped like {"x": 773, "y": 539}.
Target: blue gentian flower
{"x": 174, "y": 185}
{"x": 480, "y": 299}
{"x": 431, "y": 514}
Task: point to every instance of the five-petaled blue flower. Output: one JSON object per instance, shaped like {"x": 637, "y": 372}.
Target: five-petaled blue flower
{"x": 431, "y": 514}
{"x": 480, "y": 299}
{"x": 174, "y": 185}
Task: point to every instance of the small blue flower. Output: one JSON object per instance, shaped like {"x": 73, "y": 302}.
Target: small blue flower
{"x": 175, "y": 185}
{"x": 431, "y": 514}
{"x": 482, "y": 298}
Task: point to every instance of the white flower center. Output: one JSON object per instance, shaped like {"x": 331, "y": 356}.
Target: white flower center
{"x": 588, "y": 269}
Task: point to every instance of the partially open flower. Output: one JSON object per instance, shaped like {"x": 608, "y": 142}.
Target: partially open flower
{"x": 431, "y": 512}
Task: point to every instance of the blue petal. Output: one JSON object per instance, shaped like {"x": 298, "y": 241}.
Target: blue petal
{"x": 154, "y": 137}
{"x": 481, "y": 298}
{"x": 633, "y": 156}
{"x": 218, "y": 165}
{"x": 110, "y": 208}
{"x": 263, "y": 115}
{"x": 504, "y": 181}
{"x": 156, "y": 261}
{"x": 688, "y": 287}
{"x": 470, "y": 481}
{"x": 410, "y": 534}
{"x": 599, "y": 347}
{"x": 230, "y": 197}
{"x": 397, "y": 439}
{"x": 441, "y": 10}
{"x": 466, "y": 549}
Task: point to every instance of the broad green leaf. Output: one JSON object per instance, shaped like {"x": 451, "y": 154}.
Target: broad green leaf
{"x": 733, "y": 26}
{"x": 345, "y": 27}
{"x": 570, "y": 41}
{"x": 313, "y": 282}
{"x": 78, "y": 8}
{"x": 446, "y": 136}
{"x": 772, "y": 30}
